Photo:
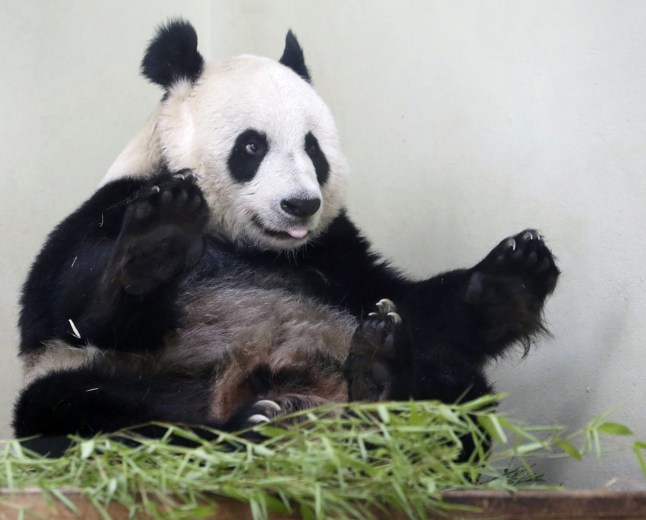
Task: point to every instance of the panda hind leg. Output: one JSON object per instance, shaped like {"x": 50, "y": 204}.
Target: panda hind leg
{"x": 161, "y": 235}
{"x": 507, "y": 289}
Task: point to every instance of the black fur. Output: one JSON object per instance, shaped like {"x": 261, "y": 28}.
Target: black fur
{"x": 90, "y": 401}
{"x": 130, "y": 234}
{"x": 247, "y": 154}
{"x": 293, "y": 57}
{"x": 172, "y": 54}
{"x": 105, "y": 268}
{"x": 316, "y": 155}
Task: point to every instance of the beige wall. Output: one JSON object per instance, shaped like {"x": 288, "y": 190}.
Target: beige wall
{"x": 463, "y": 122}
{"x": 70, "y": 98}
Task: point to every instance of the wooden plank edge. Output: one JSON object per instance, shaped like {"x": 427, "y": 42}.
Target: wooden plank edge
{"x": 537, "y": 505}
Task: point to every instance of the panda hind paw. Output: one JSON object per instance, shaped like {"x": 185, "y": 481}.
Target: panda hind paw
{"x": 176, "y": 200}
{"x": 248, "y": 416}
{"x": 162, "y": 234}
{"x": 523, "y": 256}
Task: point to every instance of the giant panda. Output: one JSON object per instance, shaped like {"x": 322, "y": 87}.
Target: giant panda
{"x": 215, "y": 279}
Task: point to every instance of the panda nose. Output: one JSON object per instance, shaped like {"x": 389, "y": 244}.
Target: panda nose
{"x": 300, "y": 207}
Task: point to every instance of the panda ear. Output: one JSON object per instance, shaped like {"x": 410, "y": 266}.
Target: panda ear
{"x": 172, "y": 54}
{"x": 293, "y": 57}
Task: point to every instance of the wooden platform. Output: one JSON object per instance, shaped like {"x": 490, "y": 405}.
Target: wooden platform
{"x": 535, "y": 505}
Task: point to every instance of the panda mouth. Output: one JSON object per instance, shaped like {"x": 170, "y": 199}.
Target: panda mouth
{"x": 291, "y": 233}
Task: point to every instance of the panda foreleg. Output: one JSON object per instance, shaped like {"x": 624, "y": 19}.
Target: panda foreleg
{"x": 376, "y": 368}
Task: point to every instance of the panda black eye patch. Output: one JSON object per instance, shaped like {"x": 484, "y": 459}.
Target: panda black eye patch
{"x": 316, "y": 155}
{"x": 248, "y": 152}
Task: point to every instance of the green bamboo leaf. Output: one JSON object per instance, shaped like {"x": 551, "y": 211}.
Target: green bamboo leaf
{"x": 384, "y": 415}
{"x": 112, "y": 486}
{"x": 491, "y": 424}
{"x": 343, "y": 462}
{"x": 60, "y": 496}
{"x": 569, "y": 449}
{"x": 524, "y": 449}
{"x": 612, "y": 428}
{"x": 87, "y": 447}
{"x": 415, "y": 417}
{"x": 639, "y": 447}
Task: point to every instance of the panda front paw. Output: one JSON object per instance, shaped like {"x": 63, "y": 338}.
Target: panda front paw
{"x": 369, "y": 366}
{"x": 162, "y": 233}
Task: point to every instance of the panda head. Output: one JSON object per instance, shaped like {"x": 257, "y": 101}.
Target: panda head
{"x": 262, "y": 143}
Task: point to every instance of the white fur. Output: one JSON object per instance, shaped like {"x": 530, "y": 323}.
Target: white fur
{"x": 56, "y": 356}
{"x": 142, "y": 155}
{"x": 196, "y": 127}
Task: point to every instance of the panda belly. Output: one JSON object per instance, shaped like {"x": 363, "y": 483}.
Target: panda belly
{"x": 260, "y": 340}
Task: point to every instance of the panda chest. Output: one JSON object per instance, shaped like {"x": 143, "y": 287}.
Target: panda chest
{"x": 259, "y": 339}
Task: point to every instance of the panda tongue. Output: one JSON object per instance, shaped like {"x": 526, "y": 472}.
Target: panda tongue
{"x": 297, "y": 232}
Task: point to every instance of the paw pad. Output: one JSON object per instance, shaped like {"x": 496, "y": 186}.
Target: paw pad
{"x": 525, "y": 256}
{"x": 524, "y": 253}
